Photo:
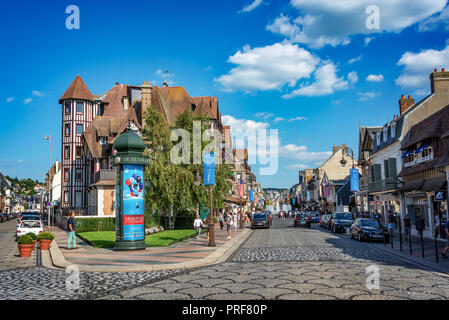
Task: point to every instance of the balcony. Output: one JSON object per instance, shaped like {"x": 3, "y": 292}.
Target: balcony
{"x": 364, "y": 183}
{"x": 104, "y": 175}
{"x": 383, "y": 185}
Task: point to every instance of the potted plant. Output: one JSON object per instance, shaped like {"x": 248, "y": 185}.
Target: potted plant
{"x": 45, "y": 239}
{"x": 26, "y": 246}
{"x": 34, "y": 237}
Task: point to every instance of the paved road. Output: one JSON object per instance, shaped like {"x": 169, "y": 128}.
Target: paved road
{"x": 9, "y": 253}
{"x": 280, "y": 263}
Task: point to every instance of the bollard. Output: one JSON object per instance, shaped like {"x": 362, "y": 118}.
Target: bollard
{"x": 385, "y": 239}
{"x": 436, "y": 248}
{"x": 391, "y": 237}
{"x": 400, "y": 234}
{"x": 422, "y": 245}
{"x": 410, "y": 241}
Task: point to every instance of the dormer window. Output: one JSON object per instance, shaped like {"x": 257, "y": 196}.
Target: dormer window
{"x": 378, "y": 138}
{"x": 393, "y": 129}
{"x": 385, "y": 134}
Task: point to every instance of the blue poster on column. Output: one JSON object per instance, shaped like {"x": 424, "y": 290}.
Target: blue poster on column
{"x": 209, "y": 169}
{"x": 133, "y": 202}
{"x": 354, "y": 179}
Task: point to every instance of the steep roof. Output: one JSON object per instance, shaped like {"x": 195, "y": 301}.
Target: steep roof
{"x": 207, "y": 106}
{"x": 171, "y": 101}
{"x": 114, "y": 101}
{"x": 77, "y": 90}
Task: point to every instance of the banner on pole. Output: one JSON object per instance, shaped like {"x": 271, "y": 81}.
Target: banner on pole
{"x": 209, "y": 169}
{"x": 355, "y": 180}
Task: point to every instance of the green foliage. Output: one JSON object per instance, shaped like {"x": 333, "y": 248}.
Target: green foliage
{"x": 94, "y": 224}
{"x": 25, "y": 240}
{"x": 184, "y": 222}
{"x": 26, "y": 186}
{"x": 45, "y": 236}
{"x": 32, "y": 235}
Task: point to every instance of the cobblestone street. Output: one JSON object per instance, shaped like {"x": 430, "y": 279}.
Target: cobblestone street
{"x": 280, "y": 263}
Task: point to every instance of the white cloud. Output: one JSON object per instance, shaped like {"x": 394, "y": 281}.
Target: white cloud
{"x": 27, "y": 100}
{"x": 338, "y": 101}
{"x": 353, "y": 77}
{"x": 440, "y": 20}
{"x": 264, "y": 115}
{"x": 278, "y": 119}
{"x": 326, "y": 82}
{"x": 20, "y": 161}
{"x": 324, "y": 22}
{"x": 300, "y": 153}
{"x": 9, "y": 100}
{"x": 243, "y": 124}
{"x": 268, "y": 68}
{"x": 375, "y": 78}
{"x": 250, "y": 7}
{"x": 296, "y": 166}
{"x": 418, "y": 66}
{"x": 353, "y": 60}
{"x": 37, "y": 93}
{"x": 364, "y": 96}
{"x": 297, "y": 119}
{"x": 368, "y": 40}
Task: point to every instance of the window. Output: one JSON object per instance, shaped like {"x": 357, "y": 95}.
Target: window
{"x": 67, "y": 105}
{"x": 385, "y": 134}
{"x": 79, "y": 129}
{"x": 393, "y": 129}
{"x": 67, "y": 130}
{"x": 78, "y": 174}
{"x": 66, "y": 197}
{"x": 79, "y": 107}
{"x": 67, "y": 152}
{"x": 100, "y": 110}
{"x": 103, "y": 140}
{"x": 79, "y": 152}
{"x": 66, "y": 174}
{"x": 378, "y": 138}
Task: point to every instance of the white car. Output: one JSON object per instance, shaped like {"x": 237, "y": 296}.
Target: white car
{"x": 27, "y": 226}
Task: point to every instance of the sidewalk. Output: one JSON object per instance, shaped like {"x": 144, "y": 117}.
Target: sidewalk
{"x": 187, "y": 254}
{"x": 429, "y": 259}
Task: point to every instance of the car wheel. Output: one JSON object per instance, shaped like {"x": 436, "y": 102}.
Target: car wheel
{"x": 352, "y": 236}
{"x": 359, "y": 237}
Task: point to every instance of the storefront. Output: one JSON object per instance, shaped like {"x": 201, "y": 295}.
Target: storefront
{"x": 417, "y": 205}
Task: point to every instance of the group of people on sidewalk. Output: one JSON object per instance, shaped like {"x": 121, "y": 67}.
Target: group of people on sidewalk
{"x": 228, "y": 219}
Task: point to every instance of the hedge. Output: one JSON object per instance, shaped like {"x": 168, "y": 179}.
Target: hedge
{"x": 184, "y": 222}
{"x": 94, "y": 224}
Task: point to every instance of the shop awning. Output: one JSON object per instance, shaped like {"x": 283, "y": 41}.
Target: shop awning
{"x": 434, "y": 184}
{"x": 412, "y": 185}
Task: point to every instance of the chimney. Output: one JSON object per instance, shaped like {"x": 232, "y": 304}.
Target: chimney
{"x": 405, "y": 103}
{"x": 146, "y": 91}
{"x": 439, "y": 81}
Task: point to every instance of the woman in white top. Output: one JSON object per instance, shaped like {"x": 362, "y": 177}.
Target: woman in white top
{"x": 197, "y": 225}
{"x": 235, "y": 221}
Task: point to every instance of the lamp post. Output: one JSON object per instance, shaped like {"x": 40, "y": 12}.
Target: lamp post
{"x": 49, "y": 174}
{"x": 343, "y": 163}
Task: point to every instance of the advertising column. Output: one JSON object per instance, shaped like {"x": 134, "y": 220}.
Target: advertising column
{"x": 133, "y": 203}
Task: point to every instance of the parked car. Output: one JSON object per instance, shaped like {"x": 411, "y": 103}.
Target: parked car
{"x": 302, "y": 219}
{"x": 260, "y": 220}
{"x": 324, "y": 219}
{"x": 367, "y": 229}
{"x": 27, "y": 226}
{"x": 341, "y": 221}
{"x": 33, "y": 216}
{"x": 3, "y": 217}
{"x": 315, "y": 217}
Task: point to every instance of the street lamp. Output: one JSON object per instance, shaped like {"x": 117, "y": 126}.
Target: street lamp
{"x": 49, "y": 174}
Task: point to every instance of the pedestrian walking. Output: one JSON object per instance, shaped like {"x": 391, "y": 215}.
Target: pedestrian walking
{"x": 407, "y": 227}
{"x": 446, "y": 248}
{"x": 391, "y": 220}
{"x": 229, "y": 224}
{"x": 221, "y": 221}
{"x": 197, "y": 224}
{"x": 419, "y": 224}
{"x": 71, "y": 231}
{"x": 437, "y": 225}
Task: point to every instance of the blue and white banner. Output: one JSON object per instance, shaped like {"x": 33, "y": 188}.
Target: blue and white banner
{"x": 209, "y": 169}
{"x": 251, "y": 195}
{"x": 355, "y": 180}
{"x": 308, "y": 195}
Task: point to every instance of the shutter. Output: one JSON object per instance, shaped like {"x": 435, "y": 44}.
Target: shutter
{"x": 386, "y": 169}
{"x": 377, "y": 172}
{"x": 392, "y": 167}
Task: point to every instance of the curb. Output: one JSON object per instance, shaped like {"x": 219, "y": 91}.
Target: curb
{"x": 220, "y": 255}
{"x": 413, "y": 260}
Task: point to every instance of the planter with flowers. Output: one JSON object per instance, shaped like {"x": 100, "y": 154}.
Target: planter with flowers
{"x": 45, "y": 239}
{"x": 26, "y": 246}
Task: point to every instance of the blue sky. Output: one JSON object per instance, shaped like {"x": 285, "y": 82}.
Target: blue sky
{"x": 313, "y": 62}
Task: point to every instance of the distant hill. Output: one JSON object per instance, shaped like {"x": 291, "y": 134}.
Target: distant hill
{"x": 25, "y": 186}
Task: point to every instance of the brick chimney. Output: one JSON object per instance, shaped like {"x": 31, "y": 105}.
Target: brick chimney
{"x": 439, "y": 81}
{"x": 405, "y": 103}
{"x": 335, "y": 148}
{"x": 145, "y": 91}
